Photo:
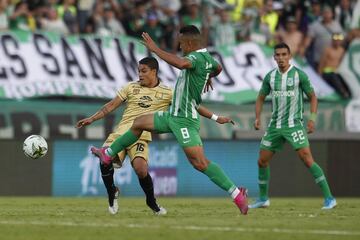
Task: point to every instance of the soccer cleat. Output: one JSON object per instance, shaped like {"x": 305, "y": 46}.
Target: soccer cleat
{"x": 113, "y": 201}
{"x": 100, "y": 153}
{"x": 260, "y": 204}
{"x": 241, "y": 201}
{"x": 162, "y": 211}
{"x": 329, "y": 203}
{"x": 156, "y": 208}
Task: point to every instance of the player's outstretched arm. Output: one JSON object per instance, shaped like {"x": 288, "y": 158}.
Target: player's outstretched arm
{"x": 172, "y": 59}
{"x": 203, "y": 111}
{"x": 105, "y": 110}
{"x": 258, "y": 108}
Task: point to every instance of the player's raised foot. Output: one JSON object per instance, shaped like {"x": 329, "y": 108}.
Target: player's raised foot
{"x": 260, "y": 204}
{"x": 241, "y": 201}
{"x": 329, "y": 203}
{"x": 113, "y": 201}
{"x": 100, "y": 153}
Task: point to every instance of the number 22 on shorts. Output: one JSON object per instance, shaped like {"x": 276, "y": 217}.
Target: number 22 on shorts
{"x": 298, "y": 135}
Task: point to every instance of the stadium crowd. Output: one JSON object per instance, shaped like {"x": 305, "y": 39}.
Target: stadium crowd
{"x": 325, "y": 25}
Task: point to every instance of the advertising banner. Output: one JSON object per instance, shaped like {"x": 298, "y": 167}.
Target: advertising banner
{"x": 56, "y": 120}
{"x": 44, "y": 64}
{"x": 76, "y": 171}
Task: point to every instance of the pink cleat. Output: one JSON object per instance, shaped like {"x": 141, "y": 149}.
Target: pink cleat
{"x": 100, "y": 153}
{"x": 241, "y": 201}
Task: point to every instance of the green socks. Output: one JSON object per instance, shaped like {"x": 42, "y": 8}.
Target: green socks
{"x": 217, "y": 176}
{"x": 320, "y": 179}
{"x": 264, "y": 177}
{"x": 121, "y": 143}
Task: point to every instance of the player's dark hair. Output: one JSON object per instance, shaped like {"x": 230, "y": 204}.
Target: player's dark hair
{"x": 282, "y": 45}
{"x": 190, "y": 30}
{"x": 151, "y": 62}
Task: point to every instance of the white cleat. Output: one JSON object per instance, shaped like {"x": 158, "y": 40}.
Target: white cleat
{"x": 115, "y": 207}
{"x": 260, "y": 204}
{"x": 162, "y": 211}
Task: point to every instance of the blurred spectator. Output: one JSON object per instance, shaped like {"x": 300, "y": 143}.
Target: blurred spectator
{"x": 153, "y": 28}
{"x": 320, "y": 33}
{"x": 269, "y": 16}
{"x": 106, "y": 23}
{"x": 355, "y": 23}
{"x": 224, "y": 30}
{"x": 84, "y": 11}
{"x": 237, "y": 6}
{"x": 53, "y": 23}
{"x": 168, "y": 18}
{"x": 68, "y": 12}
{"x": 4, "y": 23}
{"x": 90, "y": 26}
{"x": 22, "y": 19}
{"x": 291, "y": 35}
{"x": 311, "y": 13}
{"x": 343, "y": 14}
{"x": 329, "y": 63}
{"x": 251, "y": 28}
{"x": 135, "y": 19}
{"x": 193, "y": 15}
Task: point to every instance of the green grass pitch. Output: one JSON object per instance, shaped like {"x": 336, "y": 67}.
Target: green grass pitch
{"x": 37, "y": 218}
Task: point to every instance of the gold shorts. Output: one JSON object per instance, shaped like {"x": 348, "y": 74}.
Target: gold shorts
{"x": 139, "y": 149}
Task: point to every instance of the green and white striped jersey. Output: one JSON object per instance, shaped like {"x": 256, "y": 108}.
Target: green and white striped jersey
{"x": 287, "y": 95}
{"x": 190, "y": 84}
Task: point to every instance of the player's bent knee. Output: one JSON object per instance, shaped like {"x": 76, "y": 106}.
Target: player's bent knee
{"x": 200, "y": 165}
{"x": 263, "y": 163}
{"x": 141, "y": 172}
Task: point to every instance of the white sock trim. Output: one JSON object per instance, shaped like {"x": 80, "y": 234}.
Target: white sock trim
{"x": 108, "y": 152}
{"x": 319, "y": 179}
{"x": 235, "y": 193}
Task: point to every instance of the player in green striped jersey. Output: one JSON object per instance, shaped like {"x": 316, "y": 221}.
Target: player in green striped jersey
{"x": 197, "y": 67}
{"x": 286, "y": 84}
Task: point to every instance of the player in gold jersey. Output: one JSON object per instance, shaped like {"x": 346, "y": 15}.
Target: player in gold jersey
{"x": 142, "y": 97}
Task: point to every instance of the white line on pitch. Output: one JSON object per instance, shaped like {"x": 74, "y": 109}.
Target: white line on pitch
{"x": 192, "y": 228}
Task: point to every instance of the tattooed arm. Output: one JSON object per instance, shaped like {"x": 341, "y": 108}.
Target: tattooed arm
{"x": 105, "y": 110}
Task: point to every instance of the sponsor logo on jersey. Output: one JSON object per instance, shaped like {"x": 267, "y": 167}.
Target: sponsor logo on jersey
{"x": 289, "y": 93}
{"x": 145, "y": 102}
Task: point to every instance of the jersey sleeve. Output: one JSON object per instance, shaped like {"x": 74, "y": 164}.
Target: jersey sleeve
{"x": 265, "y": 86}
{"x": 214, "y": 64}
{"x": 306, "y": 85}
{"x": 193, "y": 58}
{"x": 123, "y": 92}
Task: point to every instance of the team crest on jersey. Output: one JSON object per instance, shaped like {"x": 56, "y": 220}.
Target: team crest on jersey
{"x": 136, "y": 91}
{"x": 290, "y": 81}
{"x": 159, "y": 95}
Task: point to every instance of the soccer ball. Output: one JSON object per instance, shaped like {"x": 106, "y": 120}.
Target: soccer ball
{"x": 35, "y": 146}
